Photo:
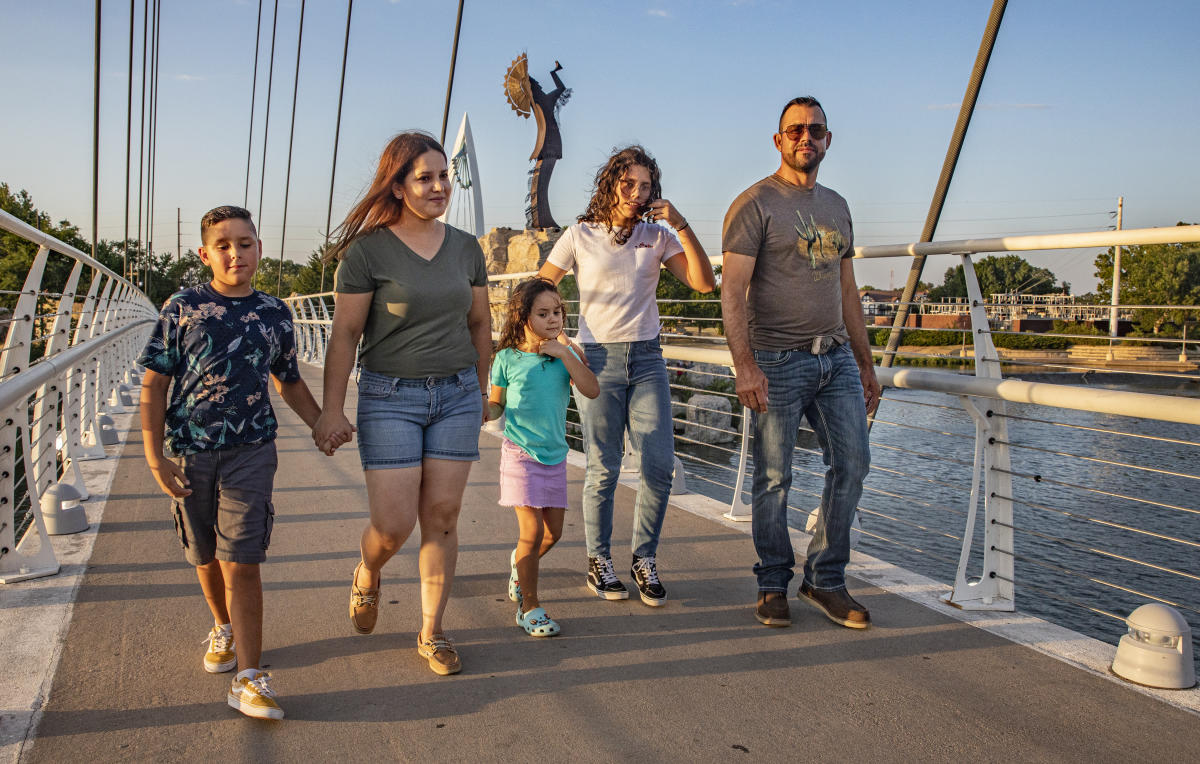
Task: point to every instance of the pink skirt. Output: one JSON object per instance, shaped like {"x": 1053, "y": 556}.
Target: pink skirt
{"x": 526, "y": 482}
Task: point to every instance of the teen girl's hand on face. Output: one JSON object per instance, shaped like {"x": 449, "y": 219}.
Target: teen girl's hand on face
{"x": 662, "y": 210}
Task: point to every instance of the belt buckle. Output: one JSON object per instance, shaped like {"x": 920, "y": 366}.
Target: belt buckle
{"x": 821, "y": 345}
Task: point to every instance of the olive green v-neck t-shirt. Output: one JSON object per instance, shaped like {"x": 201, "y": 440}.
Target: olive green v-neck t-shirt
{"x": 417, "y": 324}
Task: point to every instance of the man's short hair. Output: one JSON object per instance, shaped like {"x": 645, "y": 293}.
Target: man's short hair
{"x": 801, "y": 101}
{"x": 224, "y": 212}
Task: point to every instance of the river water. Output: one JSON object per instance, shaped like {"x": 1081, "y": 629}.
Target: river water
{"x": 1080, "y": 480}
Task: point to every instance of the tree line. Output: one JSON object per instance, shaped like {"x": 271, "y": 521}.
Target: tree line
{"x": 1155, "y": 274}
{"x": 159, "y": 274}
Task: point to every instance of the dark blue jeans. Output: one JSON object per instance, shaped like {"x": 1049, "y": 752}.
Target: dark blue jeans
{"x": 634, "y": 395}
{"x": 828, "y": 390}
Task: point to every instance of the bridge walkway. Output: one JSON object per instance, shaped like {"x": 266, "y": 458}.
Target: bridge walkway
{"x": 697, "y": 680}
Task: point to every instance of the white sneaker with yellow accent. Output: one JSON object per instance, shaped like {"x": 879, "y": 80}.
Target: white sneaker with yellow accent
{"x": 220, "y": 656}
{"x": 253, "y": 696}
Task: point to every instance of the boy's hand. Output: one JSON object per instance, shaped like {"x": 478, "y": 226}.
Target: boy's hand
{"x": 171, "y": 479}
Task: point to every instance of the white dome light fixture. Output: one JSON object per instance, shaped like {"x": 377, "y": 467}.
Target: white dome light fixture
{"x": 1157, "y": 649}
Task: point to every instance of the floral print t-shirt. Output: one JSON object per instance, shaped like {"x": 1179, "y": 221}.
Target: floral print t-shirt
{"x": 219, "y": 352}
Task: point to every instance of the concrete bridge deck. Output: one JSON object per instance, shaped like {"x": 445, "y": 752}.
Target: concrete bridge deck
{"x": 698, "y": 680}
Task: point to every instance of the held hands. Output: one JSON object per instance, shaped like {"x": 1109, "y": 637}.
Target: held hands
{"x": 662, "y": 210}
{"x": 170, "y": 478}
{"x": 331, "y": 431}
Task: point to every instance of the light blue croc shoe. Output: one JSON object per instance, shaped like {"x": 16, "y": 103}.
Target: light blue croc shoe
{"x": 537, "y": 624}
{"x": 514, "y": 586}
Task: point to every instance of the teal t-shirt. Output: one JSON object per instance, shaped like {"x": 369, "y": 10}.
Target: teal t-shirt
{"x": 535, "y": 409}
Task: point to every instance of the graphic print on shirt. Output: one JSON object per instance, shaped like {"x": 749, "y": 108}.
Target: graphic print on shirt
{"x": 820, "y": 246}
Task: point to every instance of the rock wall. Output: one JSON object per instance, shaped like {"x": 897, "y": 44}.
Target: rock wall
{"x": 508, "y": 250}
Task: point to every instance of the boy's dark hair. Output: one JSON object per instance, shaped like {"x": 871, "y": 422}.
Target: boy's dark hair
{"x": 224, "y": 212}
{"x": 801, "y": 101}
{"x": 520, "y": 305}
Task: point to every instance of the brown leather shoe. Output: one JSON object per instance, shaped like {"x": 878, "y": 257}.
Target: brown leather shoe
{"x": 364, "y": 605}
{"x": 772, "y": 609}
{"x": 438, "y": 650}
{"x": 838, "y": 606}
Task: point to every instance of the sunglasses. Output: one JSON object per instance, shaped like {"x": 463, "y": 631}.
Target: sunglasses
{"x": 816, "y": 131}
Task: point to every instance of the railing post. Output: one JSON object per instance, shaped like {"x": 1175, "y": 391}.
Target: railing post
{"x": 739, "y": 510}
{"x": 15, "y": 356}
{"x": 990, "y": 476}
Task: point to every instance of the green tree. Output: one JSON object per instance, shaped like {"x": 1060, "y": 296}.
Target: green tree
{"x": 308, "y": 279}
{"x": 17, "y": 253}
{"x": 998, "y": 274}
{"x": 267, "y": 276}
{"x": 1154, "y": 274}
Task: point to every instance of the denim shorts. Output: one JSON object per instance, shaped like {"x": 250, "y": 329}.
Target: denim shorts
{"x": 229, "y": 515}
{"x": 403, "y": 421}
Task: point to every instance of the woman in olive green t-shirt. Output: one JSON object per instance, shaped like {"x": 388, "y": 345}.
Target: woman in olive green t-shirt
{"x": 415, "y": 291}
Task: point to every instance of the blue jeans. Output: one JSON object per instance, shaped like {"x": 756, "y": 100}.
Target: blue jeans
{"x": 634, "y": 395}
{"x": 828, "y": 390}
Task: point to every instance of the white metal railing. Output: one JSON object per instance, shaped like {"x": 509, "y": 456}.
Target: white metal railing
{"x": 959, "y": 489}
{"x": 64, "y": 367}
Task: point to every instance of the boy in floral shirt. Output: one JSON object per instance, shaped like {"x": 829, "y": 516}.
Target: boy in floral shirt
{"x": 214, "y": 346}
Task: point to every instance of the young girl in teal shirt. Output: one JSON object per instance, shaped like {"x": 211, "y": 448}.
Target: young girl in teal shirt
{"x": 531, "y": 383}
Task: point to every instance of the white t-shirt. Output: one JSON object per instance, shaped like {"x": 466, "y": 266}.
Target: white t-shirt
{"x": 617, "y": 282}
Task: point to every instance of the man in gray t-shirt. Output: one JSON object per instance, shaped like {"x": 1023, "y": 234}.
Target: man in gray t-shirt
{"x": 799, "y": 344}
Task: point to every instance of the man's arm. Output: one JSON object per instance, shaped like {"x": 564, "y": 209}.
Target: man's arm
{"x": 167, "y": 474}
{"x": 856, "y": 327}
{"x": 299, "y": 398}
{"x": 749, "y": 382}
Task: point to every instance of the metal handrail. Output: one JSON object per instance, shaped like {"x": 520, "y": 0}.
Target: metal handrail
{"x": 982, "y": 397}
{"x": 55, "y": 404}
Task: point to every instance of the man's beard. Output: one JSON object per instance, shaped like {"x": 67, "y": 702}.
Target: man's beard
{"x": 801, "y": 165}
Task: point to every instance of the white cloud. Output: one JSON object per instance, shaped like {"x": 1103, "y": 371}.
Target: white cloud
{"x": 188, "y": 77}
{"x": 658, "y": 12}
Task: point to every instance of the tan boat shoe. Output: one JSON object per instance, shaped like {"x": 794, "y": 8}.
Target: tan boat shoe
{"x": 364, "y": 605}
{"x": 440, "y": 653}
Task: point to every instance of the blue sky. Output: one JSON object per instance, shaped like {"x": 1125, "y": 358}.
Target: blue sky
{"x": 1083, "y": 102}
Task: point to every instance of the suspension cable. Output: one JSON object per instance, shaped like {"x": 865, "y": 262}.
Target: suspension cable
{"x": 96, "y": 134}
{"x": 253, "y": 92}
{"x": 128, "y": 143}
{"x": 337, "y": 131}
{"x": 267, "y": 119}
{"x": 450, "y": 82}
{"x": 153, "y": 136}
{"x": 142, "y": 131}
{"x": 287, "y": 180}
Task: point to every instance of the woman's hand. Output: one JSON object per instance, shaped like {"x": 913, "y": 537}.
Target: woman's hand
{"x": 332, "y": 430}
{"x": 663, "y": 210}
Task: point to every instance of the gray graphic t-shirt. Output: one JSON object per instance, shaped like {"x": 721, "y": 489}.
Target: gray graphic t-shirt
{"x": 798, "y": 237}
{"x": 219, "y": 352}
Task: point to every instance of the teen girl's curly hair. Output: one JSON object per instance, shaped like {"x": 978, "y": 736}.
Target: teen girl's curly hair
{"x": 604, "y": 190}
{"x": 378, "y": 207}
{"x": 520, "y": 305}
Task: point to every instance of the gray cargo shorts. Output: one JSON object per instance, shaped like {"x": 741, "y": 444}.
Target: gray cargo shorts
{"x": 229, "y": 514}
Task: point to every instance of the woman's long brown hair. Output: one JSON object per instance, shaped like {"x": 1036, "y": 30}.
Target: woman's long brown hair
{"x": 604, "y": 190}
{"x": 379, "y": 207}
